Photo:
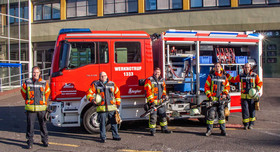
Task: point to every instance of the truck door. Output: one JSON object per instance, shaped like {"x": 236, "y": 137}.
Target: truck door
{"x": 80, "y": 66}
{"x": 128, "y": 67}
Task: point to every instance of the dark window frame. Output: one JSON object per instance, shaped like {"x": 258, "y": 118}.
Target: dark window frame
{"x": 266, "y": 2}
{"x": 42, "y": 11}
{"x": 157, "y": 9}
{"x": 86, "y": 11}
{"x": 216, "y": 5}
{"x": 126, "y": 3}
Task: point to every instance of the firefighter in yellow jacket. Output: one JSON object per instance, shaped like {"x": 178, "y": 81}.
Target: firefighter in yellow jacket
{"x": 216, "y": 89}
{"x": 155, "y": 94}
{"x": 105, "y": 95}
{"x": 248, "y": 81}
{"x": 35, "y": 92}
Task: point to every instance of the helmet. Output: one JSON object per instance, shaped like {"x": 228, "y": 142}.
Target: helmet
{"x": 98, "y": 98}
{"x": 194, "y": 111}
{"x": 253, "y": 93}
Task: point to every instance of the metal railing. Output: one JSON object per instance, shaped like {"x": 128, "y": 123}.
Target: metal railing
{"x": 12, "y": 84}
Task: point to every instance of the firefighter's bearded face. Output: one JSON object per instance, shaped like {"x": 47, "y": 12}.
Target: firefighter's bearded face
{"x": 36, "y": 74}
{"x": 103, "y": 77}
{"x": 218, "y": 68}
{"x": 247, "y": 68}
{"x": 157, "y": 73}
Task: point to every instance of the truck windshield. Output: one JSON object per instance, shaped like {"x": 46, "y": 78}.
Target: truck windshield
{"x": 77, "y": 54}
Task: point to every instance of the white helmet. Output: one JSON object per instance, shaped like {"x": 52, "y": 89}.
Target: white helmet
{"x": 98, "y": 98}
{"x": 253, "y": 93}
{"x": 194, "y": 111}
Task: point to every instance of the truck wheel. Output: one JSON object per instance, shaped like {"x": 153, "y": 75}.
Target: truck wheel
{"x": 90, "y": 122}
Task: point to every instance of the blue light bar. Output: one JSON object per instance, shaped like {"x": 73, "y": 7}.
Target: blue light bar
{"x": 74, "y": 30}
{"x": 255, "y": 34}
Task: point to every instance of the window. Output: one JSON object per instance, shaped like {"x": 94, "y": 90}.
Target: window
{"x": 209, "y": 3}
{"x": 259, "y": 1}
{"x": 272, "y": 60}
{"x": 271, "y": 53}
{"x": 273, "y": 1}
{"x": 120, "y": 6}
{"x": 271, "y": 47}
{"x": 152, "y": 5}
{"x": 83, "y": 53}
{"x": 18, "y": 12}
{"x": 46, "y": 11}
{"x": 196, "y": 3}
{"x": 127, "y": 52}
{"x": 245, "y": 2}
{"x": 77, "y": 8}
{"x": 250, "y": 2}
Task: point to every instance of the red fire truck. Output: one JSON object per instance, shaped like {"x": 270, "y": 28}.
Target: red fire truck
{"x": 128, "y": 58}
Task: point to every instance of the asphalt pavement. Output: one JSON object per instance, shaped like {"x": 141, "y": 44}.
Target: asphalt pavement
{"x": 188, "y": 135}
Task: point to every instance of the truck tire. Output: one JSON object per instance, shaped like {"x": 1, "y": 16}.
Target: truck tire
{"x": 90, "y": 122}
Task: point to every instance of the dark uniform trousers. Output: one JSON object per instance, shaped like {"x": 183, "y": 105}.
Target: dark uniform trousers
{"x": 31, "y": 118}
{"x": 102, "y": 116}
{"x": 211, "y": 113}
{"x": 162, "y": 118}
{"x": 248, "y": 111}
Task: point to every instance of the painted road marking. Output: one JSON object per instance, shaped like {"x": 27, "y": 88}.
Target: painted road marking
{"x": 270, "y": 133}
{"x": 130, "y": 150}
{"x": 60, "y": 144}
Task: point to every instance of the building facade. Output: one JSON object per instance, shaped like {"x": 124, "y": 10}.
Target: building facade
{"x": 153, "y": 16}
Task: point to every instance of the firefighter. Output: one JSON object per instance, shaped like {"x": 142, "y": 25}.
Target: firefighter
{"x": 216, "y": 89}
{"x": 108, "y": 104}
{"x": 35, "y": 92}
{"x": 248, "y": 81}
{"x": 155, "y": 94}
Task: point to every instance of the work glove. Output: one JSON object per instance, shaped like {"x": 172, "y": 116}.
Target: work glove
{"x": 257, "y": 105}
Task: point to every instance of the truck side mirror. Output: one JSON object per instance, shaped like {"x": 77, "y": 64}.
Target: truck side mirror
{"x": 141, "y": 82}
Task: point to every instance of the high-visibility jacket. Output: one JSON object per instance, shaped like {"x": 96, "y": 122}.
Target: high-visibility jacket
{"x": 109, "y": 92}
{"x": 248, "y": 81}
{"x": 216, "y": 85}
{"x": 36, "y": 94}
{"x": 155, "y": 89}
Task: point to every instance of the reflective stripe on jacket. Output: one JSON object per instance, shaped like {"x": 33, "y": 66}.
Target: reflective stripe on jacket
{"x": 155, "y": 90}
{"x": 216, "y": 85}
{"x": 36, "y": 94}
{"x": 109, "y": 92}
{"x": 248, "y": 81}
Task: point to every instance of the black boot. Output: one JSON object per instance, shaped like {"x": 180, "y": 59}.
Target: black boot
{"x": 29, "y": 145}
{"x": 208, "y": 133}
{"x": 166, "y": 131}
{"x": 45, "y": 144}
{"x": 223, "y": 133}
{"x": 250, "y": 127}
{"x": 153, "y": 132}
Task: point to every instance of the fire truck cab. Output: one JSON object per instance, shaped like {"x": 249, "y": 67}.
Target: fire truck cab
{"x": 129, "y": 57}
